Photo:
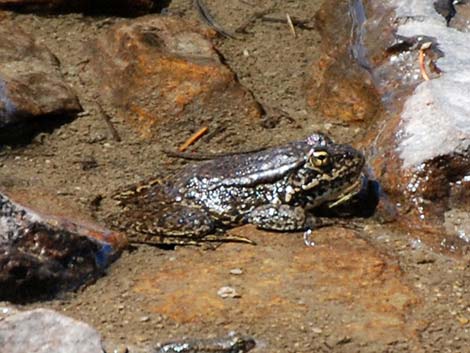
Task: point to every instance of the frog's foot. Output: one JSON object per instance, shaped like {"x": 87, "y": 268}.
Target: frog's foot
{"x": 279, "y": 218}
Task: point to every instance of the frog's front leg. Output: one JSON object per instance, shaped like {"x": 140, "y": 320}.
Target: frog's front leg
{"x": 280, "y": 218}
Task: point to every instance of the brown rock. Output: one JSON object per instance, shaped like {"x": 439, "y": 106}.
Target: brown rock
{"x": 159, "y": 68}
{"x": 338, "y": 88}
{"x": 418, "y": 147}
{"x": 342, "y": 276}
{"x": 129, "y": 7}
{"x": 342, "y": 93}
{"x": 41, "y": 253}
{"x": 31, "y": 84}
{"x": 419, "y": 150}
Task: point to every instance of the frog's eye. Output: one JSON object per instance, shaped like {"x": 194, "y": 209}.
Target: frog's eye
{"x": 319, "y": 159}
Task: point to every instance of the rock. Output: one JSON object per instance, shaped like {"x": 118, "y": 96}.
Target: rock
{"x": 43, "y": 330}
{"x": 41, "y": 254}
{"x": 339, "y": 89}
{"x": 232, "y": 343}
{"x": 419, "y": 145}
{"x": 361, "y": 290}
{"x": 31, "y": 84}
{"x": 460, "y": 20}
{"x": 421, "y": 151}
{"x": 160, "y": 68}
{"x": 128, "y": 7}
{"x": 228, "y": 292}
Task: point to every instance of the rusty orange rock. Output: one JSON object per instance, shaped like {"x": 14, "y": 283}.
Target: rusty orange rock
{"x": 160, "y": 68}
{"x": 338, "y": 88}
{"x": 343, "y": 275}
{"x": 342, "y": 93}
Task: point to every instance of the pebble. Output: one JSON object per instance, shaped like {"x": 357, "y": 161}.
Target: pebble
{"x": 228, "y": 292}
{"x": 236, "y": 271}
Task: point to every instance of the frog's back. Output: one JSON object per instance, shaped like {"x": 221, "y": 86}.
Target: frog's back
{"x": 249, "y": 168}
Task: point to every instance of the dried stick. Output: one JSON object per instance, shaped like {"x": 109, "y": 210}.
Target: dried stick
{"x": 193, "y": 139}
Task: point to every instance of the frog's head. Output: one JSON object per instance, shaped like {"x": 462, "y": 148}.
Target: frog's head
{"x": 331, "y": 172}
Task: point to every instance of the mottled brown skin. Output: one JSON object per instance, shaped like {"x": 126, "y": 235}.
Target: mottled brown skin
{"x": 273, "y": 189}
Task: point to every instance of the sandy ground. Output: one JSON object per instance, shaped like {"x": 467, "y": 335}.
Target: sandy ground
{"x": 374, "y": 289}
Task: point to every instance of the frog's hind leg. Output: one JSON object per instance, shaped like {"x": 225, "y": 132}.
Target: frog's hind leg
{"x": 168, "y": 223}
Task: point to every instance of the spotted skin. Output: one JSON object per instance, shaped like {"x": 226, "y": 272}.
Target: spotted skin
{"x": 274, "y": 189}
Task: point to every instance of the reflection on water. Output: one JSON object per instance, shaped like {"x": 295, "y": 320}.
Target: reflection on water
{"x": 7, "y": 108}
{"x": 358, "y": 49}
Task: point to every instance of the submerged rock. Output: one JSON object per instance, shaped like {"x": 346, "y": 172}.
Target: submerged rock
{"x": 31, "y": 84}
{"x": 43, "y": 330}
{"x": 159, "y": 68}
{"x": 41, "y": 254}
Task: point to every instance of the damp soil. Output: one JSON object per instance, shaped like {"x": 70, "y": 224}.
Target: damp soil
{"x": 81, "y": 163}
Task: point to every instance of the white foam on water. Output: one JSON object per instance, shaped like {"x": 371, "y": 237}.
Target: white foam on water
{"x": 436, "y": 117}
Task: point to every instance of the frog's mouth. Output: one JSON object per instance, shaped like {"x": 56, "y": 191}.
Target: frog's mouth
{"x": 348, "y": 193}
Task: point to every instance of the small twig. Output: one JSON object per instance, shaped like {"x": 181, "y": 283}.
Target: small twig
{"x": 207, "y": 17}
{"x": 109, "y": 124}
{"x": 422, "y": 63}
{"x": 193, "y": 139}
{"x": 291, "y": 25}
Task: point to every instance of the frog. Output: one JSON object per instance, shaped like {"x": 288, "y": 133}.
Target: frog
{"x": 275, "y": 189}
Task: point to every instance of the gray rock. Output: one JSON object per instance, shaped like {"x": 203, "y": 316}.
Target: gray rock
{"x": 46, "y": 331}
